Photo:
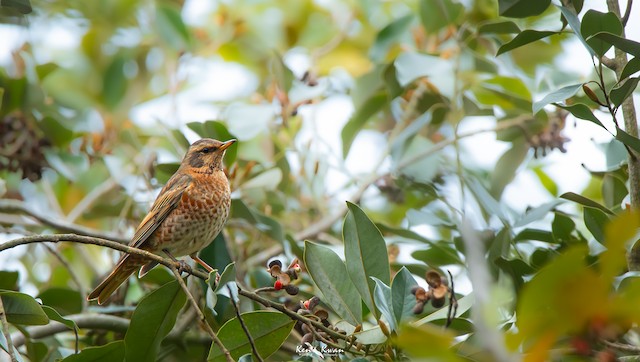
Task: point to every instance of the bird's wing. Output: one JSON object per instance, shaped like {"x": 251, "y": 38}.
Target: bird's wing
{"x": 167, "y": 201}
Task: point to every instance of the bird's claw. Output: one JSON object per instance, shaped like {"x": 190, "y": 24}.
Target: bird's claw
{"x": 183, "y": 267}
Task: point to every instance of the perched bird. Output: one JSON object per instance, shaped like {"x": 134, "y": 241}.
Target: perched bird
{"x": 188, "y": 214}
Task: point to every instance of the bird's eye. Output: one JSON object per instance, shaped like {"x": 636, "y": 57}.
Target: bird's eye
{"x": 205, "y": 150}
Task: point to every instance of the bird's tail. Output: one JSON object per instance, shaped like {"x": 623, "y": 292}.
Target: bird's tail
{"x": 119, "y": 275}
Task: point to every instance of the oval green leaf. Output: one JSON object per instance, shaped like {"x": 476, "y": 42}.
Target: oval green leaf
{"x": 382, "y": 297}
{"x": 621, "y": 92}
{"x": 113, "y": 351}
{"x": 330, "y": 276}
{"x": 524, "y": 38}
{"x": 402, "y": 299}
{"x": 557, "y": 96}
{"x": 594, "y": 22}
{"x": 21, "y": 308}
{"x": 267, "y": 329}
{"x": 522, "y": 8}
{"x": 152, "y": 321}
{"x": 366, "y": 253}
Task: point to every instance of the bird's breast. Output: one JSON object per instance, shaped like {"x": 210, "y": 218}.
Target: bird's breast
{"x": 200, "y": 216}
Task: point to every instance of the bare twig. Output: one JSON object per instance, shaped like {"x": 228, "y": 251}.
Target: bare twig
{"x": 203, "y": 320}
{"x": 15, "y": 206}
{"x": 453, "y": 302}
{"x": 56, "y": 238}
{"x": 5, "y": 331}
{"x": 627, "y": 13}
{"x": 254, "y": 349}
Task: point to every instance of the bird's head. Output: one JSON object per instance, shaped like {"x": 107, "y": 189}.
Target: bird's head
{"x": 205, "y": 155}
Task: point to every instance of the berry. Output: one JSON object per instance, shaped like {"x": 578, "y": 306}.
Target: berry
{"x": 277, "y": 285}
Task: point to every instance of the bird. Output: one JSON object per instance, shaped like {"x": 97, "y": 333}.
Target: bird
{"x": 189, "y": 212}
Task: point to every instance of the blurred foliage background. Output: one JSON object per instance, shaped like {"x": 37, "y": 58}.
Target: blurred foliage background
{"x": 372, "y": 102}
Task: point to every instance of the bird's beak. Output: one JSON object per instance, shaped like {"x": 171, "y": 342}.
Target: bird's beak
{"x": 227, "y": 144}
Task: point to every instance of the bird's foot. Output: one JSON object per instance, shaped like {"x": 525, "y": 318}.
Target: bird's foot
{"x": 183, "y": 267}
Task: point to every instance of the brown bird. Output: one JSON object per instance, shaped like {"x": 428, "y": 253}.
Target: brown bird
{"x": 188, "y": 214}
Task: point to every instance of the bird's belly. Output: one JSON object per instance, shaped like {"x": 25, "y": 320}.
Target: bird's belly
{"x": 192, "y": 226}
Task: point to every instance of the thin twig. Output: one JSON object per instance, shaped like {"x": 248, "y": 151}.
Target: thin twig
{"x": 627, "y": 13}
{"x": 20, "y": 207}
{"x": 203, "y": 320}
{"x": 56, "y": 238}
{"x": 293, "y": 315}
{"x": 5, "y": 331}
{"x": 244, "y": 326}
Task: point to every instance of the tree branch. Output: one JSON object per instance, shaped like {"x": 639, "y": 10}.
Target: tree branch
{"x": 627, "y": 13}
{"x": 14, "y": 206}
{"x": 56, "y": 238}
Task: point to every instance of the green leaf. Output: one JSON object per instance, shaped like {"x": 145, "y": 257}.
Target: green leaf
{"x": 632, "y": 67}
{"x": 22, "y": 6}
{"x": 517, "y": 269}
{"x": 507, "y": 166}
{"x": 614, "y": 191}
{"x": 402, "y": 299}
{"x": 524, "y": 38}
{"x": 55, "y": 131}
{"x": 228, "y": 275}
{"x": 267, "y": 329}
{"x": 562, "y": 227}
{"x": 9, "y": 280}
{"x": 152, "y": 320}
{"x": 438, "y": 254}
{"x": 522, "y": 8}
{"x": 388, "y": 36}
{"x": 537, "y": 213}
{"x": 624, "y": 44}
{"x": 171, "y": 28}
{"x": 382, "y": 297}
{"x": 365, "y": 252}
{"x": 627, "y": 139}
{"x": 113, "y": 351}
{"x": 535, "y": 234}
{"x": 22, "y": 309}
{"x": 557, "y": 96}
{"x": 596, "y": 220}
{"x": 329, "y": 274}
{"x": 436, "y": 14}
{"x": 547, "y": 182}
{"x": 114, "y": 82}
{"x": 581, "y": 111}
{"x": 623, "y": 91}
{"x": 53, "y": 315}
{"x": 594, "y": 22}
{"x": 363, "y": 114}
{"x": 64, "y": 300}
{"x": 574, "y": 23}
{"x": 584, "y": 201}
{"x": 499, "y": 27}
